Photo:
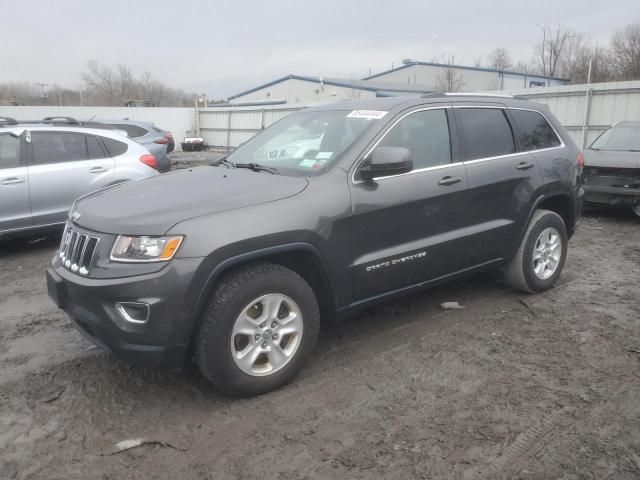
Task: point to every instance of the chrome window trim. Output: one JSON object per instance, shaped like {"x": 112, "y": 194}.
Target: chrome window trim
{"x": 465, "y": 162}
{"x": 361, "y": 161}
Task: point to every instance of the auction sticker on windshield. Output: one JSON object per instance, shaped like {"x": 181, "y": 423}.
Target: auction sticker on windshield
{"x": 368, "y": 114}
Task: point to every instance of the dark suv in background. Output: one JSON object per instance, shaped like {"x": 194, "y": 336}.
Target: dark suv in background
{"x": 233, "y": 265}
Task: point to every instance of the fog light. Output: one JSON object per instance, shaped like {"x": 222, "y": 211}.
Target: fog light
{"x": 134, "y": 312}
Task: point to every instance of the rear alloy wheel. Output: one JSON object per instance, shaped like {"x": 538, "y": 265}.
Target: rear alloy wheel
{"x": 540, "y": 258}
{"x": 261, "y": 325}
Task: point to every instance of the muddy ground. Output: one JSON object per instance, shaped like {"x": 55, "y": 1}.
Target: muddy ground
{"x": 514, "y": 386}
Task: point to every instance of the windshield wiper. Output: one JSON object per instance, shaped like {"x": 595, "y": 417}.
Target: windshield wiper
{"x": 256, "y": 167}
{"x": 222, "y": 161}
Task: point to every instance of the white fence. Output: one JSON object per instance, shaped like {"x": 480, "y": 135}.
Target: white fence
{"x": 584, "y": 110}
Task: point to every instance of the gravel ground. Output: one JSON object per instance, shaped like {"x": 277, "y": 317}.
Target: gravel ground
{"x": 513, "y": 386}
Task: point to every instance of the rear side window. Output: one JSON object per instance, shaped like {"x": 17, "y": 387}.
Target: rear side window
{"x": 533, "y": 130}
{"x": 94, "y": 148}
{"x": 485, "y": 132}
{"x": 133, "y": 131}
{"x": 115, "y": 147}
{"x": 9, "y": 151}
{"x": 57, "y": 147}
{"x": 425, "y": 134}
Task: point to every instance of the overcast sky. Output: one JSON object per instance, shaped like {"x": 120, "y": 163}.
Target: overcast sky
{"x": 223, "y": 47}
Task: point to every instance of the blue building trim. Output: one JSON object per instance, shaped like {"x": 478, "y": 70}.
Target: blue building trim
{"x": 316, "y": 80}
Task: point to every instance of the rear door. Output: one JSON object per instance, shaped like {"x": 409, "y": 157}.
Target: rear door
{"x": 62, "y": 167}
{"x": 502, "y": 180}
{"x": 15, "y": 212}
{"x": 410, "y": 228}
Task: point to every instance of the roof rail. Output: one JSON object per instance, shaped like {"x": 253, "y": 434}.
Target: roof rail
{"x": 433, "y": 95}
{"x": 58, "y": 119}
{"x": 8, "y": 121}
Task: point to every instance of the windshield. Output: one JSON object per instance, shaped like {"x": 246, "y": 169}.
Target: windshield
{"x": 622, "y": 139}
{"x": 305, "y": 143}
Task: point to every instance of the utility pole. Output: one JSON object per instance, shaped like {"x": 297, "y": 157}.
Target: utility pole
{"x": 43, "y": 85}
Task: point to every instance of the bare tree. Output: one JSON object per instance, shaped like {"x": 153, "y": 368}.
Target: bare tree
{"x": 102, "y": 83}
{"x": 449, "y": 79}
{"x": 152, "y": 89}
{"x": 500, "y": 59}
{"x": 552, "y": 48}
{"x": 625, "y": 46}
{"x": 579, "y": 54}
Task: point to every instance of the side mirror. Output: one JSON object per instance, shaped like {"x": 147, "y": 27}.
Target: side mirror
{"x": 386, "y": 161}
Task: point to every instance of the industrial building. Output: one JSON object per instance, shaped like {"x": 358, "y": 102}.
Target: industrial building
{"x": 411, "y": 78}
{"x": 467, "y": 79}
{"x": 294, "y": 89}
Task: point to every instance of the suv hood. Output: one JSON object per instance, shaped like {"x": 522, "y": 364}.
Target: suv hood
{"x": 608, "y": 158}
{"x": 152, "y": 206}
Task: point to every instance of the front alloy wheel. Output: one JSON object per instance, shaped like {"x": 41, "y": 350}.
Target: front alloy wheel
{"x": 267, "y": 334}
{"x": 258, "y": 330}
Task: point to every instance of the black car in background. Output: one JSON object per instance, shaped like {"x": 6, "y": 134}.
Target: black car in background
{"x": 612, "y": 167}
{"x": 233, "y": 265}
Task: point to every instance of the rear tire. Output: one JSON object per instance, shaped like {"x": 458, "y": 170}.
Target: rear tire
{"x": 258, "y": 330}
{"x": 541, "y": 256}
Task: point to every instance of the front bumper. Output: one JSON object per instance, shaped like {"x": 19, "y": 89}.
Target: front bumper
{"x": 161, "y": 342}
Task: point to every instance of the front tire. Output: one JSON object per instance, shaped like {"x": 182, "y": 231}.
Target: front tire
{"x": 541, "y": 255}
{"x": 258, "y": 330}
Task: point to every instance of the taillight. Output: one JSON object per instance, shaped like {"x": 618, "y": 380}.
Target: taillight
{"x": 168, "y": 135}
{"x": 580, "y": 160}
{"x": 150, "y": 160}
{"x": 161, "y": 141}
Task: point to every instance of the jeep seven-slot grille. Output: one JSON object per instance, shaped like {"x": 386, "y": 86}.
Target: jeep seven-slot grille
{"x": 77, "y": 250}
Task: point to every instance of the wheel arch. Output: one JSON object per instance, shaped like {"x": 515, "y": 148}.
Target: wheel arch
{"x": 301, "y": 257}
{"x": 557, "y": 202}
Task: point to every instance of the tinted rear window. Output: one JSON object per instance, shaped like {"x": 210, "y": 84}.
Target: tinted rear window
{"x": 9, "y": 151}
{"x": 133, "y": 131}
{"x": 533, "y": 130}
{"x": 115, "y": 147}
{"x": 485, "y": 132}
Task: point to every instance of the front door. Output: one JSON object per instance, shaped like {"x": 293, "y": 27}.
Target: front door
{"x": 62, "y": 167}
{"x": 410, "y": 228}
{"x": 15, "y": 212}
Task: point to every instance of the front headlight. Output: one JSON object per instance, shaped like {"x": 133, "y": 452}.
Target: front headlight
{"x": 145, "y": 249}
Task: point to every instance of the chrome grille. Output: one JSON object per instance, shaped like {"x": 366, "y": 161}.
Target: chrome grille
{"x": 77, "y": 250}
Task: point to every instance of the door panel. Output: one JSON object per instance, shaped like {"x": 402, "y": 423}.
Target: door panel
{"x": 408, "y": 229}
{"x": 501, "y": 182}
{"x": 500, "y": 195}
{"x": 15, "y": 212}
{"x": 60, "y": 172}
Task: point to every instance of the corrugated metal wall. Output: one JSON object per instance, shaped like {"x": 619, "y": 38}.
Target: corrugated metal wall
{"x": 179, "y": 121}
{"x": 600, "y": 104}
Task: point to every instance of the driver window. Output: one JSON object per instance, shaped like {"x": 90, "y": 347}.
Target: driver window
{"x": 425, "y": 134}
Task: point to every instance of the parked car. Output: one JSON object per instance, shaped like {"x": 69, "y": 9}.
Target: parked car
{"x": 612, "y": 167}
{"x": 234, "y": 265}
{"x": 159, "y": 142}
{"x": 46, "y": 165}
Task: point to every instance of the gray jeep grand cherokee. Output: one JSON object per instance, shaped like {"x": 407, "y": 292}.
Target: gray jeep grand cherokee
{"x": 233, "y": 265}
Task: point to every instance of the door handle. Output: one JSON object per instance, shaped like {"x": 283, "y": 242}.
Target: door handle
{"x": 446, "y": 181}
{"x": 11, "y": 181}
{"x": 97, "y": 170}
{"x": 525, "y": 166}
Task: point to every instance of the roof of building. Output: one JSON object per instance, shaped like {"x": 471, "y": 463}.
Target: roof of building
{"x": 346, "y": 83}
{"x": 463, "y": 67}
